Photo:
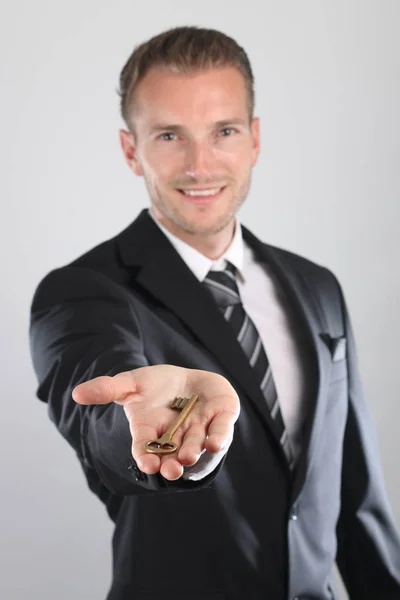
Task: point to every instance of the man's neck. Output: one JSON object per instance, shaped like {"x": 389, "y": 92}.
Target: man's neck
{"x": 212, "y": 246}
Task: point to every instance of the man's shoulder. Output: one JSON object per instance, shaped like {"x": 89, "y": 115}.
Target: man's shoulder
{"x": 313, "y": 278}
{"x": 111, "y": 264}
{"x": 98, "y": 267}
{"x": 310, "y": 270}
{"x": 294, "y": 258}
{"x": 299, "y": 262}
{"x": 102, "y": 259}
{"x": 287, "y": 259}
{"x": 109, "y": 257}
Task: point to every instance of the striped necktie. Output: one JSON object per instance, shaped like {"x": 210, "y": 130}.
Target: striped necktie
{"x": 224, "y": 289}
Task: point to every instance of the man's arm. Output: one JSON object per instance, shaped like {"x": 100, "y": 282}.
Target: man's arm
{"x": 368, "y": 543}
{"x": 84, "y": 326}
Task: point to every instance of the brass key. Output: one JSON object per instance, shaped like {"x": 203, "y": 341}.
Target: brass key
{"x": 164, "y": 444}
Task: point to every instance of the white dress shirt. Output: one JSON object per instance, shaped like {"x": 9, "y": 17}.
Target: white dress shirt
{"x": 265, "y": 302}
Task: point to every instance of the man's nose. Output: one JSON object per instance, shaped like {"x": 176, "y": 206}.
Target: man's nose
{"x": 200, "y": 160}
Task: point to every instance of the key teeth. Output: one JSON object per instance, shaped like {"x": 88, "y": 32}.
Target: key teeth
{"x": 179, "y": 403}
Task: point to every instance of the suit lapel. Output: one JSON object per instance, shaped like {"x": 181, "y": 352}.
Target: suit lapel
{"x": 308, "y": 311}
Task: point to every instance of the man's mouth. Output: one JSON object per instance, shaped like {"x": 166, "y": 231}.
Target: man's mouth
{"x": 201, "y": 192}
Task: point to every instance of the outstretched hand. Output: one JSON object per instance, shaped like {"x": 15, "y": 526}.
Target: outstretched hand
{"x": 146, "y": 394}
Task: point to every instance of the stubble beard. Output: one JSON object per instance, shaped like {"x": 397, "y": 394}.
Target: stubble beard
{"x": 173, "y": 214}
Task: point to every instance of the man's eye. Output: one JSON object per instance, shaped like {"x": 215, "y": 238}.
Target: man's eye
{"x": 230, "y": 130}
{"x": 168, "y": 136}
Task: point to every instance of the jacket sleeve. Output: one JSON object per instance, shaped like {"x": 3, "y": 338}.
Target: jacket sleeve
{"x": 368, "y": 543}
{"x": 84, "y": 325}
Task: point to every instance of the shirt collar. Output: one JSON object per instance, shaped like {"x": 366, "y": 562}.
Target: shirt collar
{"x": 199, "y": 264}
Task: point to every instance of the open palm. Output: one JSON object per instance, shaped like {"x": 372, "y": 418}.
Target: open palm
{"x": 146, "y": 395}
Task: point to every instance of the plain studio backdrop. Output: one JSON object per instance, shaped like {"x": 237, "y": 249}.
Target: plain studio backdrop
{"x": 326, "y": 186}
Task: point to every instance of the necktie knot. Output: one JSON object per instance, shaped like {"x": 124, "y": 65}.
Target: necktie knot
{"x": 223, "y": 286}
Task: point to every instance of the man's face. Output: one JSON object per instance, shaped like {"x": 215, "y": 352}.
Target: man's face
{"x": 194, "y": 145}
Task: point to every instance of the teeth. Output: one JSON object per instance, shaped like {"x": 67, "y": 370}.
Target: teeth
{"x": 202, "y": 192}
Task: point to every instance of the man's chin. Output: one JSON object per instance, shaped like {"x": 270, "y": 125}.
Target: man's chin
{"x": 202, "y": 224}
{"x": 204, "y": 229}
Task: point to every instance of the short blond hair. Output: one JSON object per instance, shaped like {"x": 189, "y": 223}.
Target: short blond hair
{"x": 183, "y": 50}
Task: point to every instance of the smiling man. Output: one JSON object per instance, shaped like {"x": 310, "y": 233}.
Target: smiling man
{"x": 277, "y": 473}
{"x": 195, "y": 142}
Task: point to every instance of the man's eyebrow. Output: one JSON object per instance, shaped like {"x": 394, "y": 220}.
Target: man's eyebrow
{"x": 236, "y": 121}
{"x": 165, "y": 126}
{"x": 177, "y": 127}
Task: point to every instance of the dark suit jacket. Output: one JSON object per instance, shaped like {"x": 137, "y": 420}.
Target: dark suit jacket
{"x": 251, "y": 529}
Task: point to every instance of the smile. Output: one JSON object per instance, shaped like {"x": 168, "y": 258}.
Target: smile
{"x": 204, "y": 192}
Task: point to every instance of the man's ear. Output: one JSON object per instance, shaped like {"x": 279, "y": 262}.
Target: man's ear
{"x": 129, "y": 149}
{"x": 255, "y": 134}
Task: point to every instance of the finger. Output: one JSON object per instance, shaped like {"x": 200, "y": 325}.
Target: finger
{"x": 192, "y": 445}
{"x": 147, "y": 462}
{"x": 220, "y": 431}
{"x": 171, "y": 468}
{"x": 168, "y": 465}
{"x": 106, "y": 389}
{"x": 150, "y": 463}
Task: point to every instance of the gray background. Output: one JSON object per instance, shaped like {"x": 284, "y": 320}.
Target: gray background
{"x": 326, "y": 186}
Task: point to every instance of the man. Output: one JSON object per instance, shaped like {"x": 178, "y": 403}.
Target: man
{"x": 277, "y": 472}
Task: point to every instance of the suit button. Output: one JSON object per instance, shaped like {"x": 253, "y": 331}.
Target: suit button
{"x": 139, "y": 475}
{"x": 293, "y": 517}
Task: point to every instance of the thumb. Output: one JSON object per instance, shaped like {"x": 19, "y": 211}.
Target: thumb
{"x": 105, "y": 389}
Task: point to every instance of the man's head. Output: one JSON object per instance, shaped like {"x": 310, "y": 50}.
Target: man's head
{"x": 187, "y": 99}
